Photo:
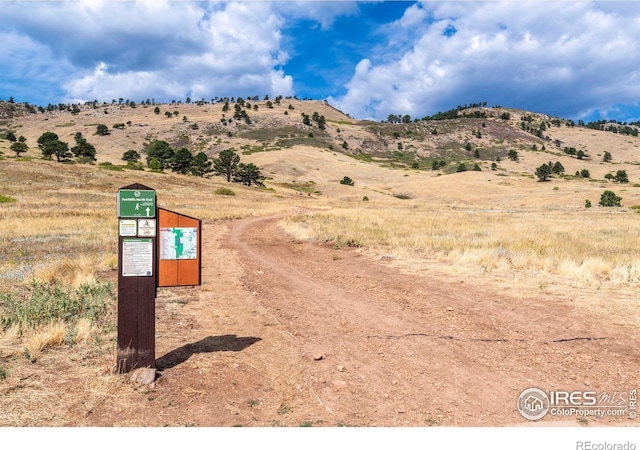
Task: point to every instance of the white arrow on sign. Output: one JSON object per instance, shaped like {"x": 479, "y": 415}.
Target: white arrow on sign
{"x": 148, "y": 211}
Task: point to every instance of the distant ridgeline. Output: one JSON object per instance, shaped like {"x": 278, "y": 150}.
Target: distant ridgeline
{"x": 613, "y": 126}
{"x": 10, "y": 108}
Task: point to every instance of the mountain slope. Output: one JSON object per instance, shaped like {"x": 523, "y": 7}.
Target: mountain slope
{"x": 477, "y": 136}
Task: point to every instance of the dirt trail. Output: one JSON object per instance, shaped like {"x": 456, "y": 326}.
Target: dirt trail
{"x": 286, "y": 332}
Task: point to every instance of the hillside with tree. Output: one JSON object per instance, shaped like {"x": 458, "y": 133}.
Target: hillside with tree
{"x": 227, "y": 136}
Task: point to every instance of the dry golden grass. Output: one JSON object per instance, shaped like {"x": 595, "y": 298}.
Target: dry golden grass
{"x": 68, "y": 211}
{"x": 581, "y": 245}
{"x": 499, "y": 227}
{"x": 51, "y": 335}
{"x": 63, "y": 226}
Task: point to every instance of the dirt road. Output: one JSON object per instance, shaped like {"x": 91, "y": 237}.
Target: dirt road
{"x": 287, "y": 333}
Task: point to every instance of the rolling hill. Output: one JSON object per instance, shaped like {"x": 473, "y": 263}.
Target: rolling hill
{"x": 527, "y": 281}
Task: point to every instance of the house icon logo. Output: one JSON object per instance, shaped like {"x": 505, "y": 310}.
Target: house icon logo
{"x": 533, "y": 404}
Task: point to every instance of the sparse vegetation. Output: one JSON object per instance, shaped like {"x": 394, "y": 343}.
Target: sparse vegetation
{"x": 505, "y": 229}
{"x": 48, "y": 303}
{"x": 226, "y": 163}
{"x": 224, "y": 191}
{"x": 621, "y": 176}
{"x": 348, "y": 181}
{"x": 6, "y": 199}
{"x": 248, "y": 174}
{"x": 102, "y": 130}
{"x": 609, "y": 199}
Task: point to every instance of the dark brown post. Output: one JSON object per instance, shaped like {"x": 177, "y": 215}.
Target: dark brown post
{"x": 137, "y": 277}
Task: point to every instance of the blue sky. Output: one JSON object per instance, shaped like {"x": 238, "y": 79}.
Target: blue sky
{"x": 575, "y": 59}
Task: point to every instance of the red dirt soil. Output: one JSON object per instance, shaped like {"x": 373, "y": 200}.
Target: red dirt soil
{"x": 285, "y": 332}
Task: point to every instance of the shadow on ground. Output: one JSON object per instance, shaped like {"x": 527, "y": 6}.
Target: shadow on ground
{"x": 210, "y": 344}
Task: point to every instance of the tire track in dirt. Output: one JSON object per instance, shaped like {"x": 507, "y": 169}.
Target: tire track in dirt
{"x": 382, "y": 348}
{"x": 284, "y": 332}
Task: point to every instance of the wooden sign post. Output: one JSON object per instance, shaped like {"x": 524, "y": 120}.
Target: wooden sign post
{"x": 137, "y": 277}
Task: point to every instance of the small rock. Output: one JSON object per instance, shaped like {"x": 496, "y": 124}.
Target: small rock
{"x": 144, "y": 375}
{"x": 318, "y": 356}
{"x": 449, "y": 308}
{"x": 341, "y": 369}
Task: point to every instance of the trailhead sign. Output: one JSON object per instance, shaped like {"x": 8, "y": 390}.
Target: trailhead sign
{"x": 156, "y": 247}
{"x": 137, "y": 277}
{"x": 136, "y": 203}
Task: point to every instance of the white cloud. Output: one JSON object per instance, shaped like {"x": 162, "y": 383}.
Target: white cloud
{"x": 558, "y": 56}
{"x": 567, "y": 57}
{"x": 162, "y": 50}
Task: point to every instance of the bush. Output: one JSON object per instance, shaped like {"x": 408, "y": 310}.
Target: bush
{"x": 224, "y": 191}
{"x": 131, "y": 155}
{"x": 557, "y": 168}
{"x": 108, "y": 166}
{"x": 348, "y": 181}
{"x": 587, "y": 203}
{"x": 49, "y": 302}
{"x": 154, "y": 165}
{"x": 403, "y": 196}
{"x": 102, "y": 130}
{"x": 621, "y": 176}
{"x": 6, "y": 199}
{"x": 135, "y": 165}
{"x": 438, "y": 164}
{"x": 609, "y": 199}
{"x": 543, "y": 172}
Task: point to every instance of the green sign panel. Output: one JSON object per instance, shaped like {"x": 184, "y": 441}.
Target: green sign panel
{"x": 136, "y": 203}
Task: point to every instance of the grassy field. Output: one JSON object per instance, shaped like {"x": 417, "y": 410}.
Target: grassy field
{"x": 58, "y": 227}
{"x": 58, "y": 241}
{"x": 590, "y": 246}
